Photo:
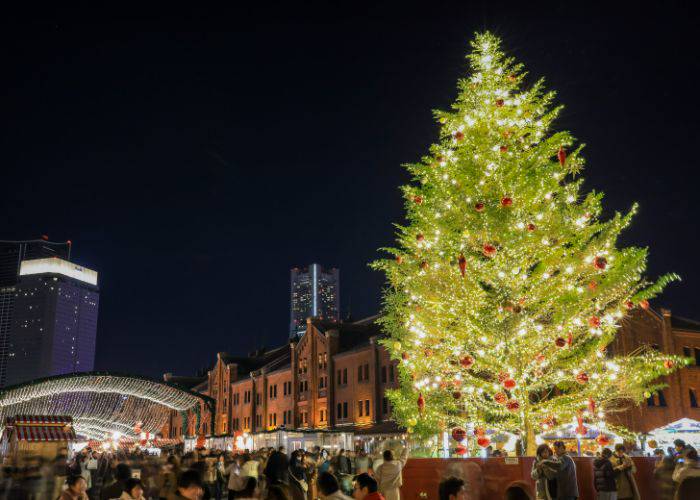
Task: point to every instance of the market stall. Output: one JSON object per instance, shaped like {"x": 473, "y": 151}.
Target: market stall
{"x": 686, "y": 429}
{"x": 30, "y": 435}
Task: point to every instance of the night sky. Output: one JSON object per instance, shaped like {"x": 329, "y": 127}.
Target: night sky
{"x": 193, "y": 158}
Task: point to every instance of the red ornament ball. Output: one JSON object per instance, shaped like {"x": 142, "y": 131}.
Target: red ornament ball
{"x": 500, "y": 398}
{"x": 503, "y": 149}
{"x": 461, "y": 450}
{"x": 540, "y": 358}
{"x": 594, "y": 321}
{"x": 459, "y": 136}
{"x": 668, "y": 364}
{"x": 600, "y": 262}
{"x": 531, "y": 227}
{"x": 560, "y": 342}
{"x": 479, "y": 207}
{"x": 489, "y": 250}
{"x": 506, "y": 202}
{"x": 458, "y": 434}
{"x": 424, "y": 265}
{"x": 420, "y": 237}
{"x": 603, "y": 440}
{"x": 483, "y": 441}
{"x": 582, "y": 378}
{"x": 499, "y": 103}
{"x": 457, "y": 395}
{"x": 466, "y": 362}
{"x": 399, "y": 259}
{"x": 404, "y": 356}
{"x": 592, "y": 285}
{"x": 629, "y": 304}
{"x": 418, "y": 199}
{"x": 479, "y": 431}
{"x": 503, "y": 376}
{"x": 509, "y": 384}
{"x": 644, "y": 304}
{"x": 512, "y": 405}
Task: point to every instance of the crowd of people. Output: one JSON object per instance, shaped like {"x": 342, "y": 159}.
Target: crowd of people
{"x": 203, "y": 475}
{"x": 316, "y": 474}
{"x": 676, "y": 472}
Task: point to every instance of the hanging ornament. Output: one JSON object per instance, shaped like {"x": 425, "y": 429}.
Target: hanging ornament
{"x": 421, "y": 402}
{"x": 511, "y": 77}
{"x": 397, "y": 346}
{"x": 668, "y": 364}
{"x": 461, "y": 450}
{"x": 483, "y": 441}
{"x": 456, "y": 395}
{"x": 499, "y": 103}
{"x": 479, "y": 431}
{"x": 424, "y": 265}
{"x": 603, "y": 440}
{"x": 466, "y": 362}
{"x": 531, "y": 227}
{"x": 412, "y": 422}
{"x": 569, "y": 339}
{"x": 420, "y": 237}
{"x": 647, "y": 394}
{"x": 629, "y": 304}
{"x": 591, "y": 406}
{"x": 503, "y": 149}
{"x": 582, "y": 378}
{"x": 462, "y": 265}
{"x": 644, "y": 304}
{"x": 443, "y": 120}
{"x": 512, "y": 405}
{"x": 399, "y": 259}
{"x": 500, "y": 398}
{"x": 592, "y": 285}
{"x": 459, "y": 136}
{"x": 594, "y": 321}
{"x": 418, "y": 200}
{"x": 561, "y": 156}
{"x": 479, "y": 207}
{"x": 506, "y": 134}
{"x": 506, "y": 201}
{"x": 509, "y": 384}
{"x": 458, "y": 434}
{"x": 560, "y": 342}
{"x": 428, "y": 352}
{"x": 549, "y": 423}
{"x": 404, "y": 356}
{"x": 503, "y": 376}
{"x": 540, "y": 358}
{"x": 600, "y": 262}
{"x": 489, "y": 250}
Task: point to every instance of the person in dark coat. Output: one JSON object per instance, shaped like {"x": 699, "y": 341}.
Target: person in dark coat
{"x": 115, "y": 489}
{"x": 604, "y": 476}
{"x": 567, "y": 485}
{"x": 276, "y": 469}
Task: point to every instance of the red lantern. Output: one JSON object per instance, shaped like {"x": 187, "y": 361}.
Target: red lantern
{"x": 462, "y": 265}
{"x": 461, "y": 450}
{"x": 458, "y": 434}
{"x": 483, "y": 441}
{"x": 509, "y": 384}
{"x": 561, "y": 156}
{"x": 506, "y": 202}
{"x": 466, "y": 361}
{"x": 600, "y": 262}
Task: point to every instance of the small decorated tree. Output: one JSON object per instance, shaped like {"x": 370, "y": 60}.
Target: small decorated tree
{"x": 507, "y": 287}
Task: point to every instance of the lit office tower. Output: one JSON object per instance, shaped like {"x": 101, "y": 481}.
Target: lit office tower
{"x": 54, "y": 322}
{"x": 315, "y": 292}
{"x": 12, "y": 253}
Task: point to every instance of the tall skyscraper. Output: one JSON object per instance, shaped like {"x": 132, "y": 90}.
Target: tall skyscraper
{"x": 314, "y": 292}
{"x": 54, "y": 322}
{"x": 12, "y": 253}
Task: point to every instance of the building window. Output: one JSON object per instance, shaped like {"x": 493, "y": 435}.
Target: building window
{"x": 340, "y": 380}
{"x": 385, "y": 406}
{"x": 697, "y": 356}
{"x": 345, "y": 409}
{"x": 320, "y": 383}
{"x": 345, "y": 376}
{"x": 306, "y": 385}
{"x": 650, "y": 400}
{"x": 359, "y": 373}
{"x": 687, "y": 352}
{"x": 366, "y": 407}
{"x": 391, "y": 372}
{"x": 383, "y": 374}
{"x": 322, "y": 416}
{"x": 340, "y": 411}
{"x": 301, "y": 386}
{"x": 693, "y": 398}
{"x": 367, "y": 371}
{"x": 662, "y": 399}
{"x": 360, "y": 407}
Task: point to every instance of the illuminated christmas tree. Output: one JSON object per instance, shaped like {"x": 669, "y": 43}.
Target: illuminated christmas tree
{"x": 507, "y": 287}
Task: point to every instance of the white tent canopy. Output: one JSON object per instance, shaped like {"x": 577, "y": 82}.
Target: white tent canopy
{"x": 686, "y": 429}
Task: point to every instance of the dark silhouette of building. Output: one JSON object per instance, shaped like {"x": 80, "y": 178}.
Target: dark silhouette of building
{"x": 315, "y": 293}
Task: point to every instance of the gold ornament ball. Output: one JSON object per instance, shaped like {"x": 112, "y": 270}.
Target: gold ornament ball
{"x": 397, "y": 346}
{"x": 647, "y": 394}
{"x": 412, "y": 422}
{"x": 409, "y": 430}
